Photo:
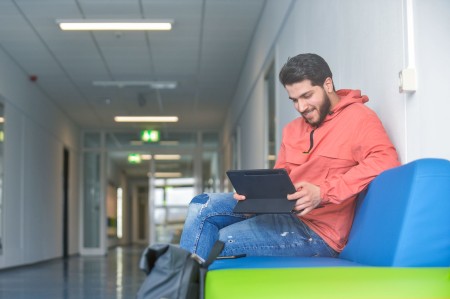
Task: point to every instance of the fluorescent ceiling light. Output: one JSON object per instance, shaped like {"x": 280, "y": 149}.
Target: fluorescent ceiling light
{"x": 143, "y": 24}
{"x": 150, "y": 84}
{"x": 167, "y": 174}
{"x": 160, "y": 157}
{"x": 142, "y": 119}
{"x": 146, "y": 157}
{"x": 167, "y": 157}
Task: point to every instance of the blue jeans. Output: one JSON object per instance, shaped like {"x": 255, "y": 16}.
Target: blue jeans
{"x": 210, "y": 217}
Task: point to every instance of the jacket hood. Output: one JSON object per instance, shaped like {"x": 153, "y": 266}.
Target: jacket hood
{"x": 347, "y": 98}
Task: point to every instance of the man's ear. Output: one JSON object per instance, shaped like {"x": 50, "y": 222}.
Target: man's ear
{"x": 328, "y": 85}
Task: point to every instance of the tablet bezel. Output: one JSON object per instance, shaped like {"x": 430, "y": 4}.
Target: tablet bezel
{"x": 265, "y": 190}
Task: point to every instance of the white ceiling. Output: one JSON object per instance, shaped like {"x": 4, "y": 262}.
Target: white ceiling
{"x": 204, "y": 53}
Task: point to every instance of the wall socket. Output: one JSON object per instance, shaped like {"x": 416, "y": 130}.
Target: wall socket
{"x": 407, "y": 80}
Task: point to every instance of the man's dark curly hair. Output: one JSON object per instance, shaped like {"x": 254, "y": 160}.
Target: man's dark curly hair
{"x": 305, "y": 67}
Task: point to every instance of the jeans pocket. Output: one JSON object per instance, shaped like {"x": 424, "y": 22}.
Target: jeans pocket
{"x": 306, "y": 230}
{"x": 321, "y": 248}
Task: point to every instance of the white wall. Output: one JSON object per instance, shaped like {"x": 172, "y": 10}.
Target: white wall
{"x": 364, "y": 43}
{"x": 427, "y": 109}
{"x": 36, "y": 133}
{"x": 247, "y": 109}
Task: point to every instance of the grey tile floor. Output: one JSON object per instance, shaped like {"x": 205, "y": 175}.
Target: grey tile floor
{"x": 115, "y": 275}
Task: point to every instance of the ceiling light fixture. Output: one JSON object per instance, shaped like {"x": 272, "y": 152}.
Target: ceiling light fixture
{"x": 143, "y": 24}
{"x": 150, "y": 84}
{"x": 160, "y": 157}
{"x": 167, "y": 157}
{"x": 168, "y": 174}
{"x": 143, "y": 119}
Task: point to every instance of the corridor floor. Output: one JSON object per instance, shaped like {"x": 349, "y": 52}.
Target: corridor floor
{"x": 115, "y": 276}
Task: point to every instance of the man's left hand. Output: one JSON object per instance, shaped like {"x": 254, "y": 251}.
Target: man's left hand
{"x": 307, "y": 197}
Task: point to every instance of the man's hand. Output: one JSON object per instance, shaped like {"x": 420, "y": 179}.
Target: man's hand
{"x": 238, "y": 196}
{"x": 307, "y": 197}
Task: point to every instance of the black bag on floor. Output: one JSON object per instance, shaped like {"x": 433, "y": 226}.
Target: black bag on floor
{"x": 174, "y": 273}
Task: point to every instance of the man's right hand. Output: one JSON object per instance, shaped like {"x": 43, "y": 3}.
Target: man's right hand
{"x": 238, "y": 196}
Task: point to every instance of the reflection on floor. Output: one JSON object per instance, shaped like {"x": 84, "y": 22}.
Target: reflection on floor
{"x": 116, "y": 275}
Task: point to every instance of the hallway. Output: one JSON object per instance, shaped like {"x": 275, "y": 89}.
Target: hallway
{"x": 116, "y": 275}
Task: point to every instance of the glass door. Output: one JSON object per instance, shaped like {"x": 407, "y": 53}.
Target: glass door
{"x": 93, "y": 205}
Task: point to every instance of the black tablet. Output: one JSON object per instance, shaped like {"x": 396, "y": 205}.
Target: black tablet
{"x": 265, "y": 190}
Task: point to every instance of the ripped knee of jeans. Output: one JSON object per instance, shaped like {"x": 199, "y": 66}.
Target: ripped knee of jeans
{"x": 198, "y": 204}
{"x": 200, "y": 199}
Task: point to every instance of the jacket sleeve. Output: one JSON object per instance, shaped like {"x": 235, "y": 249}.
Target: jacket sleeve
{"x": 373, "y": 152}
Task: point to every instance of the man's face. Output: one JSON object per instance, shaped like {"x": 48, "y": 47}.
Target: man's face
{"x": 311, "y": 102}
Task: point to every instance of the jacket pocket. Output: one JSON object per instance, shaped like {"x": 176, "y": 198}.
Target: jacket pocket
{"x": 336, "y": 166}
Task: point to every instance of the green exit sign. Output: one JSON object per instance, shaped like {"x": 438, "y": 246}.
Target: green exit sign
{"x": 150, "y": 136}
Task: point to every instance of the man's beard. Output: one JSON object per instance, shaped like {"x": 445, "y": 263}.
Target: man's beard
{"x": 324, "y": 110}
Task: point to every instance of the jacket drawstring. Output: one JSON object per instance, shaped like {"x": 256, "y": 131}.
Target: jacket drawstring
{"x": 311, "y": 142}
